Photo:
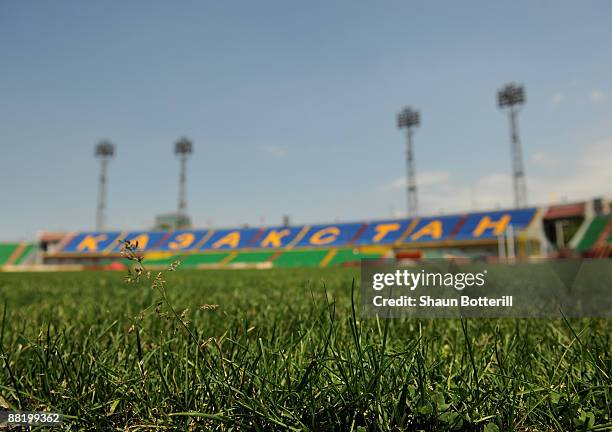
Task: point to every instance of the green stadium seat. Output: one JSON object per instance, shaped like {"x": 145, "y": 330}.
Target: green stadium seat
{"x": 350, "y": 255}
{"x": 6, "y": 250}
{"x": 300, "y": 258}
{"x": 194, "y": 260}
{"x": 592, "y": 233}
{"x": 15, "y": 253}
{"x": 252, "y": 257}
{"x": 24, "y": 254}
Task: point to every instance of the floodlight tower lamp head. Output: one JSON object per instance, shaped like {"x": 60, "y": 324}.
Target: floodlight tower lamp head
{"x": 510, "y": 95}
{"x": 105, "y": 149}
{"x": 183, "y": 147}
{"x": 408, "y": 118}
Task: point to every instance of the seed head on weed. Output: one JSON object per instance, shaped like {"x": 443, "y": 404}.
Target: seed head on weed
{"x": 129, "y": 250}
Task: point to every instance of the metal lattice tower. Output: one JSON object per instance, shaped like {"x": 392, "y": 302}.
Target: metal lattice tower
{"x": 512, "y": 96}
{"x": 183, "y": 148}
{"x": 409, "y": 119}
{"x": 105, "y": 150}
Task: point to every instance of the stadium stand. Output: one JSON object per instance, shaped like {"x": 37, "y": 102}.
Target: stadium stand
{"x": 297, "y": 246}
{"x": 475, "y": 226}
{"x": 474, "y": 235}
{"x": 15, "y": 253}
{"x": 597, "y": 240}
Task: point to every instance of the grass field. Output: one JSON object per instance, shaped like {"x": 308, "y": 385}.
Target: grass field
{"x": 284, "y": 350}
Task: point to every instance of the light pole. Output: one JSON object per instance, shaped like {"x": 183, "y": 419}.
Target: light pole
{"x": 512, "y": 96}
{"x": 409, "y": 119}
{"x": 183, "y": 148}
{"x": 105, "y": 150}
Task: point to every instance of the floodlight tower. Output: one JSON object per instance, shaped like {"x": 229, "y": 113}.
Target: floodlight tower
{"x": 183, "y": 148}
{"x": 409, "y": 119}
{"x": 105, "y": 150}
{"x": 512, "y": 96}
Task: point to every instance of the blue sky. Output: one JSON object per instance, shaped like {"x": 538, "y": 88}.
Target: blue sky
{"x": 291, "y": 107}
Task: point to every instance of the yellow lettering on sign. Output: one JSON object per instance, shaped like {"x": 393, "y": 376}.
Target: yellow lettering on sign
{"x": 142, "y": 240}
{"x": 383, "y": 229}
{"x": 182, "y": 241}
{"x": 232, "y": 239}
{"x": 433, "y": 229}
{"x": 275, "y": 238}
{"x": 90, "y": 242}
{"x": 325, "y": 236}
{"x": 497, "y": 226}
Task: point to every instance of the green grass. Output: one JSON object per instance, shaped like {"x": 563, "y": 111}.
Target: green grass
{"x": 288, "y": 351}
